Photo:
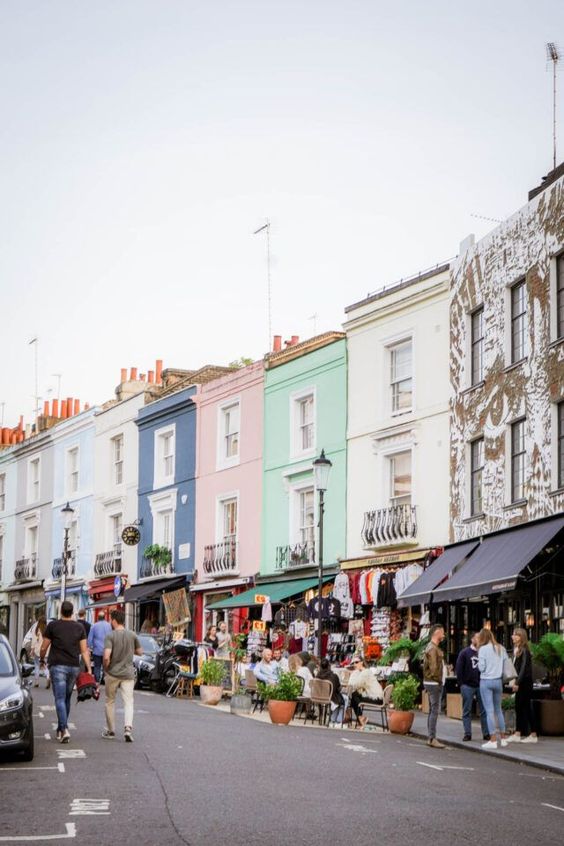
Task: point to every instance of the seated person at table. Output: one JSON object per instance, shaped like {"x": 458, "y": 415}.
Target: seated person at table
{"x": 296, "y": 666}
{"x": 364, "y": 687}
{"x": 338, "y": 699}
{"x": 267, "y": 670}
{"x": 282, "y": 662}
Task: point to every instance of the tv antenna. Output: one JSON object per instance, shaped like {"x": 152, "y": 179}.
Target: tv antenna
{"x": 553, "y": 55}
{"x": 266, "y": 228}
{"x": 35, "y": 341}
{"x": 58, "y": 378}
{"x": 313, "y": 318}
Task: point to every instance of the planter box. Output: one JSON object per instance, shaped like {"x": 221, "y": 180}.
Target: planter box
{"x": 454, "y": 706}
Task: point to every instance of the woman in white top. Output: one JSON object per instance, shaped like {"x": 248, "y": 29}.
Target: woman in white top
{"x": 295, "y": 665}
{"x": 364, "y": 687}
{"x": 491, "y": 656}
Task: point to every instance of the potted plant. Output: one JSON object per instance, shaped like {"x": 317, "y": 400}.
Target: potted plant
{"x": 405, "y": 648}
{"x": 161, "y": 556}
{"x": 404, "y": 696}
{"x": 211, "y": 676}
{"x": 281, "y": 697}
{"x": 549, "y": 652}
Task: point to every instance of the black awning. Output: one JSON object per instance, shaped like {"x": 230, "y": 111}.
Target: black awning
{"x": 419, "y": 592}
{"x": 497, "y": 564}
{"x": 145, "y": 590}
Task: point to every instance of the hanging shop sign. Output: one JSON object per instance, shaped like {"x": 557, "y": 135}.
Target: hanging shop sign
{"x": 176, "y": 607}
{"x": 260, "y": 598}
{"x": 118, "y": 586}
{"x": 385, "y": 558}
{"x": 259, "y": 626}
{"x": 131, "y": 536}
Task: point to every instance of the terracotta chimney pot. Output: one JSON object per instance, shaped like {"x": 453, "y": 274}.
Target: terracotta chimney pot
{"x": 295, "y": 340}
{"x": 150, "y": 376}
{"x": 133, "y": 374}
{"x": 77, "y": 406}
{"x": 55, "y": 408}
{"x": 123, "y": 375}
{"x": 63, "y": 409}
{"x": 277, "y": 343}
{"x": 46, "y": 408}
{"x": 158, "y": 371}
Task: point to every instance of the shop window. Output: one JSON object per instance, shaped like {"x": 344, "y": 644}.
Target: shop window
{"x": 477, "y": 346}
{"x": 400, "y": 478}
{"x": 72, "y": 471}
{"x": 401, "y": 377}
{"x": 560, "y": 296}
{"x": 560, "y": 444}
{"x": 518, "y": 460}
{"x": 519, "y": 322}
{"x": 117, "y": 459}
{"x": 476, "y": 476}
{"x": 2, "y": 491}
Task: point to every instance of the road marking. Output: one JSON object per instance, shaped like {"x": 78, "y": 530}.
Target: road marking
{"x": 356, "y": 747}
{"x": 71, "y": 753}
{"x": 90, "y": 807}
{"x": 48, "y": 708}
{"x": 41, "y": 715}
{"x": 22, "y": 838}
{"x": 17, "y": 769}
{"x": 556, "y": 807}
{"x": 70, "y": 726}
{"x": 47, "y": 736}
{"x": 431, "y": 766}
{"x": 444, "y": 767}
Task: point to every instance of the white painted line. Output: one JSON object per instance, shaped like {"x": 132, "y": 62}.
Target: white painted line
{"x": 71, "y": 726}
{"x": 445, "y": 767}
{"x": 356, "y": 747}
{"x": 90, "y": 807}
{"x": 17, "y": 769}
{"x": 47, "y": 736}
{"x": 61, "y": 767}
{"x": 556, "y": 807}
{"x": 431, "y": 766}
{"x": 47, "y": 708}
{"x": 71, "y": 753}
{"x": 22, "y": 838}
{"x": 41, "y": 715}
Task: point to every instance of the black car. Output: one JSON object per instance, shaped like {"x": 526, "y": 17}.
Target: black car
{"x": 16, "y": 721}
{"x": 145, "y": 664}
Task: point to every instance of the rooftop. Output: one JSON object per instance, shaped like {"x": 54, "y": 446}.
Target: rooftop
{"x": 402, "y": 283}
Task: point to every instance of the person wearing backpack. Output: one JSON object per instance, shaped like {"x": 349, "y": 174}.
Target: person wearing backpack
{"x": 491, "y": 656}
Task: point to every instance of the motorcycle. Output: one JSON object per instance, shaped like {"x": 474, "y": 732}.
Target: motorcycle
{"x": 164, "y": 671}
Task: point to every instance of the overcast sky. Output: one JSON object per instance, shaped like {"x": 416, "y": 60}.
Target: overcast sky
{"x": 141, "y": 143}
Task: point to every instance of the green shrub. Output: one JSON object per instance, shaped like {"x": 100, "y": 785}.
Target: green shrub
{"x": 287, "y": 688}
{"x": 549, "y": 652}
{"x": 212, "y": 672}
{"x": 404, "y": 694}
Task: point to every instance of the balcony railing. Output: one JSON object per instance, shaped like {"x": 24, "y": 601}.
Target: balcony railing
{"x": 26, "y": 569}
{"x": 220, "y": 558}
{"x": 295, "y": 556}
{"x": 390, "y": 526}
{"x": 57, "y": 570}
{"x": 150, "y": 568}
{"x": 108, "y": 563}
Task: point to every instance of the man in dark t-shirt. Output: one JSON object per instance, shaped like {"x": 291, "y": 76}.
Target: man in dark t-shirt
{"x": 67, "y": 640}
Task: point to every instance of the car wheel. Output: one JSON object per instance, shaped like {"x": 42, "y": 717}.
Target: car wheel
{"x": 28, "y": 752}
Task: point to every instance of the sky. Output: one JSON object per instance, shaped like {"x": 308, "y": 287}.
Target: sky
{"x": 142, "y": 143}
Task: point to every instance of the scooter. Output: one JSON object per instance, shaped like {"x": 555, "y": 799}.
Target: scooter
{"x": 164, "y": 671}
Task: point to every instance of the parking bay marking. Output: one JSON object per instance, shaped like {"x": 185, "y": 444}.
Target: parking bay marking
{"x": 90, "y": 807}
{"x": 60, "y": 767}
{"x": 71, "y": 753}
{"x": 22, "y": 838}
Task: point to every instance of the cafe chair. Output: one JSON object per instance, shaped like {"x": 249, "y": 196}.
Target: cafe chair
{"x": 379, "y": 710}
{"x": 183, "y": 682}
{"x": 251, "y": 687}
{"x": 321, "y": 691}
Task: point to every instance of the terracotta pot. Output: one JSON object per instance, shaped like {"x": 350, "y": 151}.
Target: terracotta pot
{"x": 210, "y": 694}
{"x": 400, "y": 722}
{"x": 281, "y": 712}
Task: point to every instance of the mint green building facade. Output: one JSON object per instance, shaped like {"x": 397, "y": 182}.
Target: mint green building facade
{"x": 305, "y": 411}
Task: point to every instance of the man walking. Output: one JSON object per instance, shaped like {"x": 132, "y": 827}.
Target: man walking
{"x": 84, "y": 622}
{"x": 433, "y": 664}
{"x": 96, "y": 637}
{"x": 468, "y": 676}
{"x": 119, "y": 647}
{"x": 67, "y": 640}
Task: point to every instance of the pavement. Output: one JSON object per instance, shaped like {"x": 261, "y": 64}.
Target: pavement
{"x": 199, "y": 775}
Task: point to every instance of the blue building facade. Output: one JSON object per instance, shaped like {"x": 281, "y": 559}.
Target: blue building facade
{"x": 167, "y": 507}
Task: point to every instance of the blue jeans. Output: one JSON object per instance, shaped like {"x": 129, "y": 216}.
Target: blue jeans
{"x": 63, "y": 679}
{"x": 490, "y": 691}
{"x": 468, "y": 694}
{"x": 435, "y": 693}
{"x": 97, "y": 666}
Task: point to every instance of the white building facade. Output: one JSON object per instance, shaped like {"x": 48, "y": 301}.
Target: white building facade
{"x": 398, "y": 419}
{"x": 8, "y": 483}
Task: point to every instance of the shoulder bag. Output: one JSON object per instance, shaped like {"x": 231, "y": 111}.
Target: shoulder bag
{"x": 509, "y": 672}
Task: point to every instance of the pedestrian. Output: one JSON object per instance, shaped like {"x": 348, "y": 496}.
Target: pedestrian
{"x": 36, "y": 640}
{"x": 523, "y": 688}
{"x": 491, "y": 656}
{"x": 468, "y": 676}
{"x": 363, "y": 687}
{"x": 83, "y": 621}
{"x": 66, "y": 642}
{"x": 96, "y": 638}
{"x": 433, "y": 672}
{"x": 119, "y": 647}
{"x": 223, "y": 641}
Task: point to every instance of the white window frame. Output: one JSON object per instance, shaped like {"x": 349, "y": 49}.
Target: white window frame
{"x": 389, "y": 473}
{"x": 117, "y": 463}
{"x": 222, "y": 459}
{"x": 72, "y": 474}
{"x": 296, "y": 398}
{"x": 221, "y": 501}
{"x": 509, "y": 501}
{"x": 160, "y": 479}
{"x": 471, "y": 381}
{"x": 508, "y": 308}
{"x": 295, "y": 491}
{"x": 159, "y": 504}
{"x": 116, "y": 545}
{"x": 30, "y": 528}
{"x": 31, "y": 497}
{"x": 389, "y": 345}
{"x": 2, "y": 491}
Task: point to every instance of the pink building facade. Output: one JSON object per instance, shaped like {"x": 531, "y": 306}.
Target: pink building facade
{"x": 228, "y": 492}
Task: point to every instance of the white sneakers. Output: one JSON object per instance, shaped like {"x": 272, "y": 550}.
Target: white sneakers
{"x": 531, "y": 738}
{"x": 489, "y": 744}
{"x": 513, "y": 738}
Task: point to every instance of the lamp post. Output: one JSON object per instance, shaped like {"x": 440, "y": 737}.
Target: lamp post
{"x": 321, "y": 469}
{"x": 67, "y": 513}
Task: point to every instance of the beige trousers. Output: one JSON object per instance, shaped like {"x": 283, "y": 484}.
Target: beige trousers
{"x": 126, "y": 686}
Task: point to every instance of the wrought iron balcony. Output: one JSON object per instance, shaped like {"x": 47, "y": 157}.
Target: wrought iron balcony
{"x": 151, "y": 568}
{"x": 108, "y": 563}
{"x": 57, "y": 571}
{"x": 220, "y": 558}
{"x": 26, "y": 569}
{"x": 390, "y": 526}
{"x": 295, "y": 556}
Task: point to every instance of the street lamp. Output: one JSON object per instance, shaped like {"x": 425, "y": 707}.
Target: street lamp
{"x": 321, "y": 469}
{"x": 67, "y": 513}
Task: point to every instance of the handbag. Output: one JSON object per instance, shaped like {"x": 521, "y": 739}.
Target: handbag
{"x": 509, "y": 672}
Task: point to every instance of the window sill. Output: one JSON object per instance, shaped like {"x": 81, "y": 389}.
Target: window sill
{"x": 474, "y": 517}
{"x": 557, "y": 492}
{"x": 226, "y": 463}
{"x": 556, "y": 343}
{"x": 519, "y": 503}
{"x": 475, "y": 387}
{"x": 402, "y": 413}
{"x": 515, "y": 364}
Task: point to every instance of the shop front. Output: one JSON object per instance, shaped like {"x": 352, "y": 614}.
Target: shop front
{"x": 106, "y": 594}
{"x": 75, "y": 592}
{"x": 27, "y": 603}
{"x": 208, "y": 594}
{"x": 144, "y": 602}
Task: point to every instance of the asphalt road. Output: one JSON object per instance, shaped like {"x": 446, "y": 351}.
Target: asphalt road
{"x": 196, "y": 776}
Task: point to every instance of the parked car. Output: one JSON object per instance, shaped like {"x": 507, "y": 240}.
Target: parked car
{"x": 16, "y": 720}
{"x": 144, "y": 665}
{"x": 25, "y": 652}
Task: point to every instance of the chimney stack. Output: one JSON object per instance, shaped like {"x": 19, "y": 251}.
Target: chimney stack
{"x": 46, "y": 408}
{"x": 150, "y": 376}
{"x": 123, "y": 375}
{"x": 69, "y": 406}
{"x": 77, "y": 406}
{"x": 295, "y": 340}
{"x": 158, "y": 371}
{"x": 277, "y": 343}
{"x": 63, "y": 409}
{"x": 55, "y": 408}
{"x": 141, "y": 377}
{"x": 20, "y": 424}
{"x": 86, "y": 406}
{"x": 133, "y": 374}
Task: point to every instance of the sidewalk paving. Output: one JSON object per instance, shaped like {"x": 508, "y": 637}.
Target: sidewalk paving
{"x": 548, "y": 753}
